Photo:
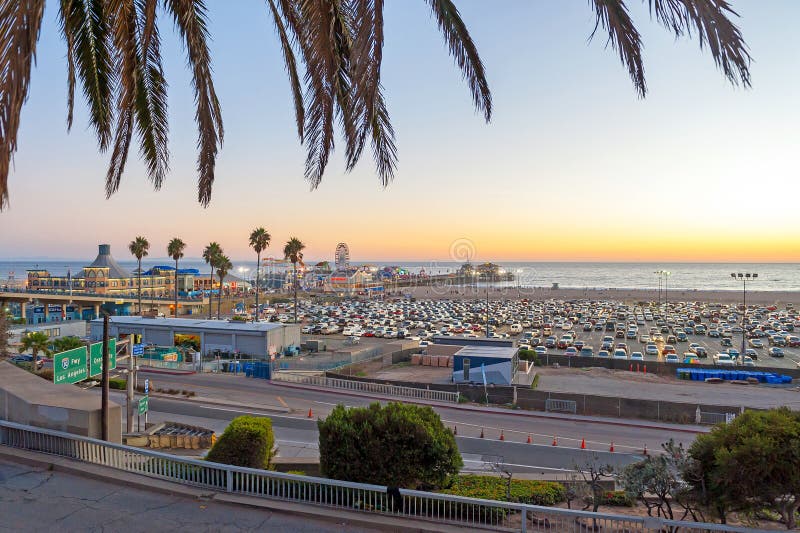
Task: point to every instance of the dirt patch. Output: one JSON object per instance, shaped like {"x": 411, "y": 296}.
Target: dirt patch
{"x": 622, "y": 375}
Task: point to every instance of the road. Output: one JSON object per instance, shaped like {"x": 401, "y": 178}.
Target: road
{"x": 288, "y": 408}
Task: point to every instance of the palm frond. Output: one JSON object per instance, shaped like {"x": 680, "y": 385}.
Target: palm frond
{"x": 291, "y": 67}
{"x": 623, "y": 36}
{"x": 711, "y": 20}
{"x": 464, "y": 52}
{"x": 150, "y": 105}
{"x": 190, "y": 19}
{"x": 20, "y": 22}
{"x": 85, "y": 27}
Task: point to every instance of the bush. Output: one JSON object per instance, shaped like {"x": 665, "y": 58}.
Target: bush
{"x": 530, "y": 355}
{"x": 238, "y": 318}
{"x": 247, "y": 441}
{"x": 617, "y": 498}
{"x": 117, "y": 383}
{"x": 494, "y": 488}
{"x": 396, "y": 445}
{"x": 46, "y": 373}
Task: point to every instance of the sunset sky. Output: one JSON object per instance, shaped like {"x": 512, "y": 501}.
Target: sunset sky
{"x": 572, "y": 167}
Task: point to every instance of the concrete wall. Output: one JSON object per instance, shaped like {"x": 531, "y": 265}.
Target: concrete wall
{"x": 31, "y": 400}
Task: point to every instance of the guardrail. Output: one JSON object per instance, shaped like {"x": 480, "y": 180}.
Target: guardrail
{"x": 362, "y": 386}
{"x": 77, "y": 295}
{"x": 470, "y": 513}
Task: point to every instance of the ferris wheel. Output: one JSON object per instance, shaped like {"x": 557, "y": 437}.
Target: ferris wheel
{"x": 342, "y": 256}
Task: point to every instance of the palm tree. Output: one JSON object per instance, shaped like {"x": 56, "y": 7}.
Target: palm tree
{"x": 210, "y": 254}
{"x": 175, "y": 250}
{"x": 293, "y": 251}
{"x": 36, "y": 342}
{"x": 259, "y": 240}
{"x": 139, "y": 247}
{"x": 113, "y": 51}
{"x": 224, "y": 266}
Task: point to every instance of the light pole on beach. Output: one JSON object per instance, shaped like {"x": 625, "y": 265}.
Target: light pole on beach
{"x": 744, "y": 278}
{"x": 518, "y": 272}
{"x": 659, "y": 273}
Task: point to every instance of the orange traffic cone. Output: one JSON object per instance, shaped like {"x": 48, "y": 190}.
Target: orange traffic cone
{"x": 631, "y": 368}
{"x": 645, "y": 369}
{"x": 583, "y": 444}
{"x": 310, "y": 413}
{"x": 502, "y": 436}
{"x": 611, "y": 449}
{"x": 481, "y": 432}
{"x": 529, "y": 439}
{"x": 555, "y": 441}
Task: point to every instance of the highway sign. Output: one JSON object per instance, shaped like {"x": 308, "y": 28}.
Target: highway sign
{"x": 96, "y": 357}
{"x": 138, "y": 349}
{"x": 146, "y": 386}
{"x": 143, "y": 405}
{"x": 70, "y": 366}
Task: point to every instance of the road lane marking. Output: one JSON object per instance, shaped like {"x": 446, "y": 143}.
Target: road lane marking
{"x": 282, "y": 402}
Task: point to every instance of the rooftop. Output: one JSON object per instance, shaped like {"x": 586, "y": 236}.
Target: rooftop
{"x": 499, "y": 352}
{"x": 191, "y": 323}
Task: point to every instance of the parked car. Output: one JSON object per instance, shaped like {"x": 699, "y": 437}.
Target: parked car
{"x": 651, "y": 349}
{"x": 723, "y": 359}
{"x": 776, "y": 351}
{"x": 620, "y": 354}
{"x": 748, "y": 361}
{"x": 587, "y": 351}
{"x": 571, "y": 351}
{"x": 637, "y": 356}
{"x": 671, "y": 358}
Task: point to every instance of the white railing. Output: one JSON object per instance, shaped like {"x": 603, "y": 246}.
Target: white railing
{"x": 470, "y": 513}
{"x": 365, "y": 386}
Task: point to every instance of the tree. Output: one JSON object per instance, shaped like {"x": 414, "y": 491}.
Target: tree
{"x": 113, "y": 51}
{"x": 748, "y": 464}
{"x": 593, "y": 474}
{"x": 36, "y": 342}
{"x": 259, "y": 240}
{"x": 175, "y": 250}
{"x": 247, "y": 441}
{"x": 397, "y": 445}
{"x": 656, "y": 482}
{"x": 210, "y": 254}
{"x": 4, "y": 333}
{"x": 293, "y": 251}
{"x": 224, "y": 266}
{"x": 62, "y": 344}
{"x": 139, "y": 248}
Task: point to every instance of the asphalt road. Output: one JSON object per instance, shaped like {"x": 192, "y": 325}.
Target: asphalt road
{"x": 295, "y": 429}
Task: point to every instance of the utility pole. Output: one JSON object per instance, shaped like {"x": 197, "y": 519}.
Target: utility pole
{"x": 129, "y": 393}
{"x": 104, "y": 401}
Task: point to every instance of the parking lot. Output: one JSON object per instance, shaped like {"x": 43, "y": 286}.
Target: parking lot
{"x": 696, "y": 326}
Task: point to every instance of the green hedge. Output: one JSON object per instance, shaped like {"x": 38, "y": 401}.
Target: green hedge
{"x": 494, "y": 488}
{"x": 247, "y": 441}
{"x": 530, "y": 355}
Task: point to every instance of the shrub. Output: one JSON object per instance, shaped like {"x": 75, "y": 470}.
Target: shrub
{"x": 494, "y": 488}
{"x": 46, "y": 373}
{"x": 530, "y": 355}
{"x": 247, "y": 441}
{"x": 238, "y": 318}
{"x": 396, "y": 445}
{"x": 117, "y": 383}
{"x": 296, "y": 472}
{"x": 617, "y": 498}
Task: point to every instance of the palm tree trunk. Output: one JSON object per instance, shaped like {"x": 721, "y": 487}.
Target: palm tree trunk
{"x": 140, "y": 286}
{"x": 219, "y": 300}
{"x": 176, "y": 288}
{"x": 210, "y": 292}
{"x": 258, "y": 264}
{"x": 294, "y": 265}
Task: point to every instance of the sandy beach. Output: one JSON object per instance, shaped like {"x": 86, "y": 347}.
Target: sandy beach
{"x": 779, "y": 298}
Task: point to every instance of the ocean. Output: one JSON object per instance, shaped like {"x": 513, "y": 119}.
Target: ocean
{"x": 688, "y": 276}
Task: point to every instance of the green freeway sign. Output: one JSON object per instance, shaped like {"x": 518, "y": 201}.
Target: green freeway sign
{"x": 70, "y": 366}
{"x": 96, "y": 357}
{"x": 143, "y": 404}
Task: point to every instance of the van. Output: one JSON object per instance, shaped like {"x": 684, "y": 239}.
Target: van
{"x": 515, "y": 329}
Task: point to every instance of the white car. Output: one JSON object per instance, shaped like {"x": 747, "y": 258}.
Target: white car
{"x": 723, "y": 359}
{"x": 620, "y": 354}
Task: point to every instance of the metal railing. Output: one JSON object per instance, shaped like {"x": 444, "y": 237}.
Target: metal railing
{"x": 363, "y": 386}
{"x": 78, "y": 294}
{"x": 567, "y": 406}
{"x": 470, "y": 513}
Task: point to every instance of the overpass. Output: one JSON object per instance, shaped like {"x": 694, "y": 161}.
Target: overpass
{"x": 90, "y": 303}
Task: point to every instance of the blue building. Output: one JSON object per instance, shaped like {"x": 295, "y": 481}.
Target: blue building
{"x": 497, "y": 363}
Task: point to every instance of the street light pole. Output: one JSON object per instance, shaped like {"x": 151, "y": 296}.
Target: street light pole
{"x": 659, "y": 273}
{"x": 744, "y": 278}
{"x": 667, "y": 274}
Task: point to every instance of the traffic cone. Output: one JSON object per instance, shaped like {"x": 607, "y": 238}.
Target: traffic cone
{"x": 481, "y": 432}
{"x": 645, "y": 369}
{"x": 530, "y": 441}
{"x": 645, "y": 449}
{"x": 502, "y": 436}
{"x": 631, "y": 369}
{"x": 637, "y": 367}
{"x": 583, "y": 444}
{"x": 310, "y": 413}
{"x": 555, "y": 441}
{"x": 611, "y": 449}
